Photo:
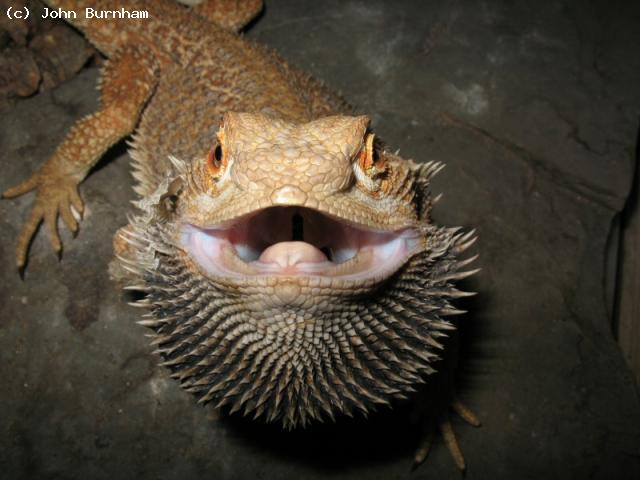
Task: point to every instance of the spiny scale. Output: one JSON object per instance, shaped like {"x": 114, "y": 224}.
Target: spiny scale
{"x": 294, "y": 364}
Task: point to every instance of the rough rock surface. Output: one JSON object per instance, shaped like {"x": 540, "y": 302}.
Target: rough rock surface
{"x": 535, "y": 111}
{"x": 37, "y": 54}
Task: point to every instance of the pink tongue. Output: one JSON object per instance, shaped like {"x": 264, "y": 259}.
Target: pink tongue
{"x": 287, "y": 254}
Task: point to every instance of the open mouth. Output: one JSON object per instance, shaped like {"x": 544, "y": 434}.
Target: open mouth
{"x": 298, "y": 241}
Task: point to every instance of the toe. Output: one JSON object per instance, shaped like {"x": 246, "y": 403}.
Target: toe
{"x": 24, "y": 238}
{"x": 423, "y": 450}
{"x": 465, "y": 413}
{"x": 23, "y": 187}
{"x": 51, "y": 222}
{"x": 76, "y": 201}
{"x": 451, "y": 442}
{"x": 67, "y": 216}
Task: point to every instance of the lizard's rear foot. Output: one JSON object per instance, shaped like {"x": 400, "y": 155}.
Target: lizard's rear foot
{"x": 443, "y": 425}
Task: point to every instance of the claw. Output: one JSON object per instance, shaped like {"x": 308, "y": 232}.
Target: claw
{"x": 76, "y": 201}
{"x": 67, "y": 217}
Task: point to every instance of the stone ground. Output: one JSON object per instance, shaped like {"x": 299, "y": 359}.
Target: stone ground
{"x": 535, "y": 110}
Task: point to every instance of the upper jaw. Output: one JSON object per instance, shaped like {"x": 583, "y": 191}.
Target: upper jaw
{"x": 298, "y": 243}
{"x": 232, "y": 202}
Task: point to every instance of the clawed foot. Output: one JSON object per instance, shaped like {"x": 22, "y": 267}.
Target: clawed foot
{"x": 55, "y": 196}
{"x": 443, "y": 425}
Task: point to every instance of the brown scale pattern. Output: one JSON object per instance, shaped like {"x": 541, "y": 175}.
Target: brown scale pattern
{"x": 289, "y": 352}
{"x": 276, "y": 162}
{"x": 189, "y": 72}
{"x": 194, "y": 99}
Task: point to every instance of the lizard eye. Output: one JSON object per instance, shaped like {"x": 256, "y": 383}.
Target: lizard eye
{"x": 214, "y": 160}
{"x": 366, "y": 156}
{"x": 368, "y": 167}
{"x": 217, "y": 157}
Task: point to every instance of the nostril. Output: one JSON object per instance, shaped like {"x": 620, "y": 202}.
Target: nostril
{"x": 288, "y": 195}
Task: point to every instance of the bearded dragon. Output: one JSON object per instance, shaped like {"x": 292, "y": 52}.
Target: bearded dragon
{"x": 290, "y": 266}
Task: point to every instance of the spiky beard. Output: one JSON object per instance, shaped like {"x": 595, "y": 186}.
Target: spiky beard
{"x": 295, "y": 363}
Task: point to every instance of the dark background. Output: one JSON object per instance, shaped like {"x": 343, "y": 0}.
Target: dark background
{"x": 534, "y": 106}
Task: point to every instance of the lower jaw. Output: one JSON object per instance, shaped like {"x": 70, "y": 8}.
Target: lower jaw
{"x": 219, "y": 260}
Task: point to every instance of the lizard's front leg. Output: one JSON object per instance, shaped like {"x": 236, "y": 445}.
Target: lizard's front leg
{"x": 128, "y": 79}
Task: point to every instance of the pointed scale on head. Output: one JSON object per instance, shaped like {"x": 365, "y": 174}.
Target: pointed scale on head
{"x": 293, "y": 272}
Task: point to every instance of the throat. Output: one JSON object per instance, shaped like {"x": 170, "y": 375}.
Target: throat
{"x": 297, "y": 228}
{"x": 288, "y": 256}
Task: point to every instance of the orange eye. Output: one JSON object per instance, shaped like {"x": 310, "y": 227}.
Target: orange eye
{"x": 367, "y": 158}
{"x": 214, "y": 160}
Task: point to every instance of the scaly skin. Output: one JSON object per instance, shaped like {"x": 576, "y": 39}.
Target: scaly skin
{"x": 198, "y": 73}
{"x": 288, "y": 332}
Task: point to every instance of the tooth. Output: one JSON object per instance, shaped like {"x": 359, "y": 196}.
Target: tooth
{"x": 328, "y": 251}
{"x": 341, "y": 255}
{"x": 246, "y": 253}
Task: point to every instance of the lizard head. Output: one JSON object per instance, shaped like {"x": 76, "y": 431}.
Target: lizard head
{"x": 293, "y": 271}
{"x": 293, "y": 202}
